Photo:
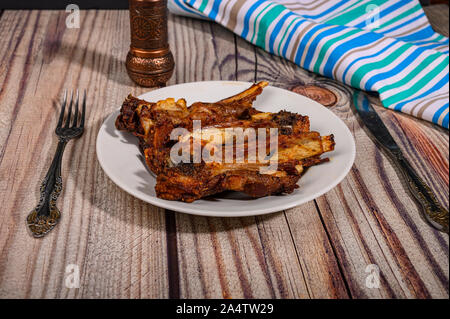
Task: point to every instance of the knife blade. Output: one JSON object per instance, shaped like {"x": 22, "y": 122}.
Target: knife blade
{"x": 433, "y": 213}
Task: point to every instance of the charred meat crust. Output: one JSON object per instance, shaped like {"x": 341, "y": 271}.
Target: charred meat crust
{"x": 189, "y": 182}
{"x": 152, "y": 124}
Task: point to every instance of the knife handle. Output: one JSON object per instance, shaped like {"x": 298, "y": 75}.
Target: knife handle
{"x": 434, "y": 213}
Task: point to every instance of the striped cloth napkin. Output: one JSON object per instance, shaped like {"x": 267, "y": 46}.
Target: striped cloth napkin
{"x": 387, "y": 46}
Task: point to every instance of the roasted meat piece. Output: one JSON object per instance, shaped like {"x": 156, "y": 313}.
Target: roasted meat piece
{"x": 288, "y": 144}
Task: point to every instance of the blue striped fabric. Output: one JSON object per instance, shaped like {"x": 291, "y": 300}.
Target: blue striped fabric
{"x": 387, "y": 46}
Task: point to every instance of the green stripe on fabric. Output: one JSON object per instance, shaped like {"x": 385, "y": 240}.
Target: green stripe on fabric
{"x": 265, "y": 22}
{"x": 327, "y": 45}
{"x": 340, "y": 12}
{"x": 284, "y": 35}
{"x": 429, "y": 59}
{"x": 400, "y": 16}
{"x": 355, "y": 13}
{"x": 203, "y": 5}
{"x": 256, "y": 20}
{"x": 363, "y": 70}
{"x": 440, "y": 37}
{"x": 418, "y": 85}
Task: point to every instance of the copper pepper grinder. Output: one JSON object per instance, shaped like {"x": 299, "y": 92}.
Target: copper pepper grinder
{"x": 149, "y": 62}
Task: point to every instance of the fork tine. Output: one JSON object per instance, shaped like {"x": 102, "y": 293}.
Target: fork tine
{"x": 75, "y": 116}
{"x": 63, "y": 108}
{"x": 83, "y": 110}
{"x": 69, "y": 114}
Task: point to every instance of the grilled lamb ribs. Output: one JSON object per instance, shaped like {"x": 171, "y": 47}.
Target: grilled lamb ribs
{"x": 153, "y": 123}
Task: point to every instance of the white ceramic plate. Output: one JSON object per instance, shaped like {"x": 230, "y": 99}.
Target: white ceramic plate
{"x": 122, "y": 161}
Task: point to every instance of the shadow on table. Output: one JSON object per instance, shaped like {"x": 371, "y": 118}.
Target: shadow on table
{"x": 105, "y": 192}
{"x": 112, "y": 63}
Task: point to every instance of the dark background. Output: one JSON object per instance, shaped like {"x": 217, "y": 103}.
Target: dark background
{"x": 96, "y": 4}
{"x": 61, "y": 4}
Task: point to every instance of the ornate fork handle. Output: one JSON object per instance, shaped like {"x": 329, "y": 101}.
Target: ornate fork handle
{"x": 46, "y": 215}
{"x": 434, "y": 213}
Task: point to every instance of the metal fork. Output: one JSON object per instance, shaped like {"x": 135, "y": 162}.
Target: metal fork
{"x": 46, "y": 215}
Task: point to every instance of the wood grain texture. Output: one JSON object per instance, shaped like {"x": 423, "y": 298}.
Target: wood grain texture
{"x": 320, "y": 268}
{"x": 370, "y": 217}
{"x": 219, "y": 257}
{"x": 126, "y": 248}
{"x": 438, "y": 15}
{"x": 117, "y": 241}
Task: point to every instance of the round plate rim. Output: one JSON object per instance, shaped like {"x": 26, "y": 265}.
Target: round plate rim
{"x": 172, "y": 205}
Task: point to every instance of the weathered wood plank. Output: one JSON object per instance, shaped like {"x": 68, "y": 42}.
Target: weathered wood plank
{"x": 219, "y": 257}
{"x": 126, "y": 248}
{"x": 117, "y": 241}
{"x": 318, "y": 263}
{"x": 370, "y": 217}
{"x": 202, "y": 51}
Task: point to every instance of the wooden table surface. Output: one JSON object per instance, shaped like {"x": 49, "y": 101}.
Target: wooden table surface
{"x": 126, "y": 248}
